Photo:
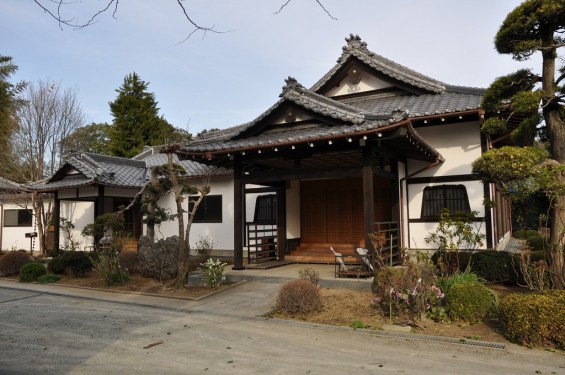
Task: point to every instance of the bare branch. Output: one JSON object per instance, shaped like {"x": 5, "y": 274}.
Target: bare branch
{"x": 197, "y": 27}
{"x": 319, "y": 3}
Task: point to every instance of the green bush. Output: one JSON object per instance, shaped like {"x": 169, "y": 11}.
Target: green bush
{"x": 56, "y": 265}
{"x": 76, "y": 262}
{"x": 30, "y": 272}
{"x": 494, "y": 266}
{"x": 446, "y": 283}
{"x": 213, "y": 273}
{"x": 534, "y": 320}
{"x": 536, "y": 242}
{"x": 48, "y": 279}
{"x": 470, "y": 301}
{"x": 538, "y": 255}
{"x": 520, "y": 234}
{"x": 531, "y": 233}
{"x": 13, "y": 261}
{"x": 299, "y": 296}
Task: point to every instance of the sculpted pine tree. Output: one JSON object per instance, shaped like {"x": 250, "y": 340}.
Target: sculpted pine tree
{"x": 136, "y": 120}
{"x": 536, "y": 26}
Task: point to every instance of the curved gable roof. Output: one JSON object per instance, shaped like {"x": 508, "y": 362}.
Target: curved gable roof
{"x": 357, "y": 49}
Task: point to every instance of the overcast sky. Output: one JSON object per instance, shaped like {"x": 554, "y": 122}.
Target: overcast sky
{"x": 228, "y": 79}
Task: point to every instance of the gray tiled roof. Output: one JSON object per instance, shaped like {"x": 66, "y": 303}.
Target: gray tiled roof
{"x": 357, "y": 114}
{"x": 194, "y": 169}
{"x": 419, "y": 106}
{"x": 96, "y": 169}
{"x": 7, "y": 185}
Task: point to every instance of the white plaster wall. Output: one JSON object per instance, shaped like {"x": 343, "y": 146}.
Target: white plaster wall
{"x": 419, "y": 231}
{"x": 14, "y": 237}
{"x": 368, "y": 83}
{"x": 80, "y": 214}
{"x": 459, "y": 144}
{"x": 220, "y": 233}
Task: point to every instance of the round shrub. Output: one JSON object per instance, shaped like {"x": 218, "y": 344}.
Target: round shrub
{"x": 48, "y": 279}
{"x": 535, "y": 319}
{"x": 299, "y": 296}
{"x": 520, "y": 234}
{"x": 12, "y": 262}
{"x": 494, "y": 266}
{"x": 56, "y": 265}
{"x": 128, "y": 260}
{"x": 77, "y": 263}
{"x": 470, "y": 301}
{"x": 31, "y": 272}
{"x": 531, "y": 233}
{"x": 535, "y": 242}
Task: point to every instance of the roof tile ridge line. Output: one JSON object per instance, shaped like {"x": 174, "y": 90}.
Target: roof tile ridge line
{"x": 311, "y": 95}
{"x": 92, "y": 165}
{"x": 400, "y": 69}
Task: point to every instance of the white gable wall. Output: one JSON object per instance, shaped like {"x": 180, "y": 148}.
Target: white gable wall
{"x": 459, "y": 144}
{"x": 368, "y": 83}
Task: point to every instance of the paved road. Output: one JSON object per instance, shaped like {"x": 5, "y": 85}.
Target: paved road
{"x": 42, "y": 332}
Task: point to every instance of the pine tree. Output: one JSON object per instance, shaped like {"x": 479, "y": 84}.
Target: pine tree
{"x": 9, "y": 101}
{"x": 136, "y": 119}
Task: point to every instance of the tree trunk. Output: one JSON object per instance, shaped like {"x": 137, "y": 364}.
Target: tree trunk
{"x": 152, "y": 198}
{"x": 554, "y": 122}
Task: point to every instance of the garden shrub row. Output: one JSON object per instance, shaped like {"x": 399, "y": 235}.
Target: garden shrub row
{"x": 535, "y": 319}
{"x": 12, "y": 262}
{"x": 492, "y": 266}
{"x": 78, "y": 263}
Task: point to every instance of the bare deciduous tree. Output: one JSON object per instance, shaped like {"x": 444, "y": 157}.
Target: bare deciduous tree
{"x": 55, "y": 9}
{"x": 49, "y": 114}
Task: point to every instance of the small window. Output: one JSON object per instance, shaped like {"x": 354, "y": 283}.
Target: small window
{"x": 18, "y": 218}
{"x": 436, "y": 198}
{"x": 209, "y": 211}
{"x": 265, "y": 209}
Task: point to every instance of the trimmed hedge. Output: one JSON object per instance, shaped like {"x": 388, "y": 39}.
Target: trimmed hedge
{"x": 495, "y": 266}
{"x": 519, "y": 234}
{"x": 78, "y": 263}
{"x": 534, "y": 320}
{"x": 31, "y": 272}
{"x": 536, "y": 242}
{"x": 450, "y": 259}
{"x": 470, "y": 301}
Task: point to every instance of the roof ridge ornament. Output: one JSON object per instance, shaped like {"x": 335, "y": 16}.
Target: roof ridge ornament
{"x": 398, "y": 115}
{"x": 354, "y": 42}
{"x": 291, "y": 85}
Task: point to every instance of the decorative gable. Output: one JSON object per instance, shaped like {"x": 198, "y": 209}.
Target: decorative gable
{"x": 359, "y": 70}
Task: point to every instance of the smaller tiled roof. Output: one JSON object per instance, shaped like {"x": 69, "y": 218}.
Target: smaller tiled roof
{"x": 194, "y": 169}
{"x": 96, "y": 169}
{"x": 7, "y": 185}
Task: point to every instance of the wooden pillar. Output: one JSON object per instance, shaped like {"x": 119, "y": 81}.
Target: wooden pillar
{"x": 281, "y": 223}
{"x": 98, "y": 210}
{"x": 238, "y": 213}
{"x": 368, "y": 196}
{"x": 56, "y": 222}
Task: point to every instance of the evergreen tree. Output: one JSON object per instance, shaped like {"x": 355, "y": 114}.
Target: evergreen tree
{"x": 536, "y": 26}
{"x": 91, "y": 138}
{"x": 9, "y": 101}
{"x": 136, "y": 119}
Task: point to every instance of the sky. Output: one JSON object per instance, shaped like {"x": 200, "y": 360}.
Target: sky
{"x": 219, "y": 80}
